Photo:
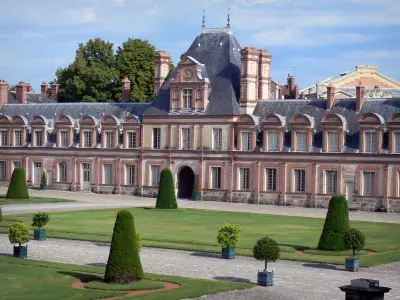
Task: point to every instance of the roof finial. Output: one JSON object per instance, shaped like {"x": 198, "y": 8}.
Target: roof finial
{"x": 204, "y": 20}
{"x": 228, "y": 24}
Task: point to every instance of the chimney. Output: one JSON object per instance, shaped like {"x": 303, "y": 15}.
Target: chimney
{"x": 3, "y": 93}
{"x": 43, "y": 89}
{"x": 162, "y": 59}
{"x": 264, "y": 75}
{"x": 22, "y": 93}
{"x": 290, "y": 83}
{"x": 29, "y": 87}
{"x": 249, "y": 79}
{"x": 360, "y": 96}
{"x": 126, "y": 89}
{"x": 330, "y": 98}
{"x": 54, "y": 91}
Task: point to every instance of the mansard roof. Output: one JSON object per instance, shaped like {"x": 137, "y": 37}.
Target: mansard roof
{"x": 219, "y": 51}
{"x": 31, "y": 98}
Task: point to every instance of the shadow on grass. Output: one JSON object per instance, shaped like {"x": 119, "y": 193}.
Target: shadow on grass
{"x": 6, "y": 254}
{"x": 233, "y": 279}
{"x": 81, "y": 276}
{"x": 323, "y": 266}
{"x": 97, "y": 264}
{"x": 296, "y": 247}
{"x": 206, "y": 254}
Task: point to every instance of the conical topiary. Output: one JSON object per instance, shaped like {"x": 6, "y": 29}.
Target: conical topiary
{"x": 166, "y": 194}
{"x": 336, "y": 225}
{"x": 123, "y": 265}
{"x": 18, "y": 188}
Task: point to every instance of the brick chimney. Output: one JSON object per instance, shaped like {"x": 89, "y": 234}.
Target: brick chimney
{"x": 330, "y": 98}
{"x": 162, "y": 59}
{"x": 360, "y": 96}
{"x": 22, "y": 93}
{"x": 249, "y": 79}
{"x": 43, "y": 89}
{"x": 54, "y": 91}
{"x": 3, "y": 93}
{"x": 29, "y": 87}
{"x": 264, "y": 75}
{"x": 126, "y": 89}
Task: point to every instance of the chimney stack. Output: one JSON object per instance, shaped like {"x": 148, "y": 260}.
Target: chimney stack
{"x": 3, "y": 93}
{"x": 264, "y": 75}
{"x": 126, "y": 90}
{"x": 330, "y": 99}
{"x": 54, "y": 91}
{"x": 249, "y": 78}
{"x": 22, "y": 92}
{"x": 29, "y": 87}
{"x": 162, "y": 59}
{"x": 360, "y": 95}
{"x": 43, "y": 89}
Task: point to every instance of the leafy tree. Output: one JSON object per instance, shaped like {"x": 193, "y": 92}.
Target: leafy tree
{"x": 12, "y": 88}
{"x": 171, "y": 67}
{"x": 266, "y": 249}
{"x": 19, "y": 233}
{"x": 166, "y": 195}
{"x": 336, "y": 225}
{"x": 40, "y": 219}
{"x": 123, "y": 263}
{"x": 354, "y": 239}
{"x": 228, "y": 235}
{"x": 18, "y": 188}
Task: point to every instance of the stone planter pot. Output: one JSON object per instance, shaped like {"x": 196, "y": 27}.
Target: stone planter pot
{"x": 20, "y": 251}
{"x": 265, "y": 279}
{"x": 39, "y": 234}
{"x": 228, "y": 252}
{"x": 352, "y": 264}
{"x": 43, "y": 186}
{"x": 196, "y": 197}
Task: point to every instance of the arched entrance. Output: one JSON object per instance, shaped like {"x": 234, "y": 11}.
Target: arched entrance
{"x": 185, "y": 182}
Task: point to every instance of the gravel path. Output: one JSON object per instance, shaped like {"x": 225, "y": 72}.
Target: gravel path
{"x": 101, "y": 201}
{"x": 294, "y": 280}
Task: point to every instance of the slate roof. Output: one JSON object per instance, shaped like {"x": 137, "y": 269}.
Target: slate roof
{"x": 219, "y": 51}
{"x": 31, "y": 98}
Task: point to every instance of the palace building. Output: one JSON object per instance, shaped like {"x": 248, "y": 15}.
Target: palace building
{"x": 218, "y": 120}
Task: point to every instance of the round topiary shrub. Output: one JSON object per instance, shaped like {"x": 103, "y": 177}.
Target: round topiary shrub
{"x": 166, "y": 194}
{"x": 19, "y": 233}
{"x": 40, "y": 219}
{"x": 266, "y": 249}
{"x": 123, "y": 265}
{"x": 228, "y": 235}
{"x": 354, "y": 240}
{"x": 18, "y": 188}
{"x": 336, "y": 225}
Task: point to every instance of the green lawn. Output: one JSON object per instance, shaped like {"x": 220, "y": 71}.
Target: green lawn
{"x": 194, "y": 229}
{"x": 4, "y": 200}
{"x": 23, "y": 279}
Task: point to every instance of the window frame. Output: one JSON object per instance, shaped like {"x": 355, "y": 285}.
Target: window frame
{"x": 216, "y": 177}
{"x": 217, "y": 139}
{"x": 3, "y": 170}
{"x": 156, "y": 141}
{"x": 153, "y": 180}
{"x": 298, "y": 144}
{"x": 87, "y": 139}
{"x": 4, "y": 140}
{"x": 366, "y": 188}
{"x": 131, "y": 136}
{"x": 18, "y": 142}
{"x": 276, "y": 141}
{"x": 271, "y": 185}
{"x": 299, "y": 182}
{"x": 107, "y": 177}
{"x": 331, "y": 189}
{"x": 243, "y": 146}
{"x": 333, "y": 136}
{"x": 244, "y": 178}
{"x": 62, "y": 178}
{"x": 38, "y": 137}
{"x": 372, "y": 143}
{"x": 187, "y": 98}
{"x": 64, "y": 138}
{"x": 186, "y": 137}
{"x": 130, "y": 174}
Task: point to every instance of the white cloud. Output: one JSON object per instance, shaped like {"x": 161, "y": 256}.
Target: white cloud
{"x": 119, "y": 2}
{"x": 371, "y": 54}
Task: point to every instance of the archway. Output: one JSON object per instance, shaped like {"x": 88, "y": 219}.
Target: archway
{"x": 185, "y": 182}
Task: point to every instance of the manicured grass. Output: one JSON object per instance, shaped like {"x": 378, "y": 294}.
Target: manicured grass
{"x": 24, "y": 279}
{"x": 334, "y": 253}
{"x": 143, "y": 284}
{"x": 196, "y": 230}
{"x": 4, "y": 200}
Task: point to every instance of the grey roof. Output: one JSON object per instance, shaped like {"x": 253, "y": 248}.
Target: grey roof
{"x": 317, "y": 109}
{"x": 31, "y": 98}
{"x": 219, "y": 51}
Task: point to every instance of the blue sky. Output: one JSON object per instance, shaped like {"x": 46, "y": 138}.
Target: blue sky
{"x": 321, "y": 38}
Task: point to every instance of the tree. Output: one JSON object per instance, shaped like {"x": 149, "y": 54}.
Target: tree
{"x": 135, "y": 59}
{"x": 336, "y": 225}
{"x": 166, "y": 195}
{"x": 19, "y": 233}
{"x": 266, "y": 249}
{"x": 354, "y": 239}
{"x": 123, "y": 263}
{"x": 18, "y": 188}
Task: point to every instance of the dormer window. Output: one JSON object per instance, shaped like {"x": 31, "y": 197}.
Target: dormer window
{"x": 334, "y": 127}
{"x": 397, "y": 142}
{"x": 246, "y": 146}
{"x": 109, "y": 139}
{"x": 370, "y": 142}
{"x": 64, "y": 138}
{"x": 301, "y": 141}
{"x": 38, "y": 138}
{"x": 187, "y": 95}
{"x": 18, "y": 138}
{"x": 274, "y": 127}
{"x": 87, "y": 139}
{"x": 3, "y": 138}
{"x": 372, "y": 126}
{"x": 272, "y": 141}
{"x": 302, "y": 126}
{"x": 333, "y": 142}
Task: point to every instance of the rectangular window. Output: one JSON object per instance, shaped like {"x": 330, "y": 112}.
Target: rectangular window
{"x": 301, "y": 141}
{"x": 64, "y": 138}
{"x": 215, "y": 177}
{"x": 199, "y": 94}
{"x": 3, "y": 170}
{"x": 155, "y": 175}
{"x": 3, "y": 138}
{"x": 130, "y": 174}
{"x": 18, "y": 138}
{"x": 107, "y": 174}
{"x": 270, "y": 175}
{"x": 333, "y": 142}
{"x": 38, "y": 138}
{"x": 187, "y": 98}
{"x": 369, "y": 183}
{"x": 109, "y": 139}
{"x": 186, "y": 138}
{"x": 245, "y": 141}
{"x": 156, "y": 138}
{"x": 87, "y": 139}
{"x": 62, "y": 172}
{"x": 331, "y": 181}
{"x": 244, "y": 179}
{"x": 217, "y": 134}
{"x": 397, "y": 142}
{"x": 370, "y": 141}
{"x": 299, "y": 181}
{"x": 131, "y": 139}
{"x": 16, "y": 164}
{"x": 272, "y": 141}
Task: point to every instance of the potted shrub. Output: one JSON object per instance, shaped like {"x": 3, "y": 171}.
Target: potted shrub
{"x": 353, "y": 240}
{"x": 195, "y": 192}
{"x": 19, "y": 234}
{"x": 43, "y": 183}
{"x": 266, "y": 249}
{"x": 228, "y": 237}
{"x": 39, "y": 220}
